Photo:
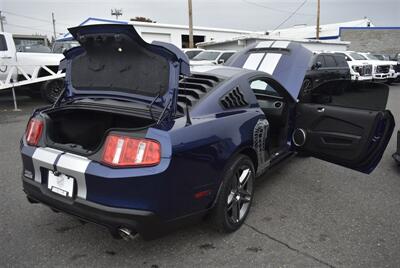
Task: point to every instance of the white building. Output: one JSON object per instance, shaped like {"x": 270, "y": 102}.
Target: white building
{"x": 327, "y": 31}
{"x": 175, "y": 34}
{"x": 240, "y": 42}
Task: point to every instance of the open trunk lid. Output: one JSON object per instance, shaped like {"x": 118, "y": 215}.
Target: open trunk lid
{"x": 115, "y": 62}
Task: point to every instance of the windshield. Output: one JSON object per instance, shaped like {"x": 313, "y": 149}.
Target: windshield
{"x": 61, "y": 46}
{"x": 371, "y": 57}
{"x": 357, "y": 56}
{"x": 207, "y": 55}
{"x": 34, "y": 48}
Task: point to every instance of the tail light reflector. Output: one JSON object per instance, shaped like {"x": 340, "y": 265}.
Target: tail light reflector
{"x": 122, "y": 151}
{"x": 34, "y": 131}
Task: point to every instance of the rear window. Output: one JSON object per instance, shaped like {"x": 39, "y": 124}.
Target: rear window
{"x": 3, "y": 43}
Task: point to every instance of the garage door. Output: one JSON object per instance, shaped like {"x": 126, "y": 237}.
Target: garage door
{"x": 149, "y": 37}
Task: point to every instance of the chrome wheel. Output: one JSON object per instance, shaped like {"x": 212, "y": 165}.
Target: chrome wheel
{"x": 239, "y": 198}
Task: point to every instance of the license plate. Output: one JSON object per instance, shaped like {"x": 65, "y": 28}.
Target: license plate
{"x": 61, "y": 184}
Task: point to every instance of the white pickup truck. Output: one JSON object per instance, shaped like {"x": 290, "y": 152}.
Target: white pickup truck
{"x": 360, "y": 68}
{"x": 382, "y": 66}
{"x": 28, "y": 65}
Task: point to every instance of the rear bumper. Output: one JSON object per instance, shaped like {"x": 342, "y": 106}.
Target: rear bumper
{"x": 146, "y": 223}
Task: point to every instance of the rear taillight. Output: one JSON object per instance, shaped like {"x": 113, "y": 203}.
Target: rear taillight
{"x": 122, "y": 151}
{"x": 34, "y": 131}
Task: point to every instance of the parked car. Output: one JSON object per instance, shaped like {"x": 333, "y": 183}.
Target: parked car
{"x": 28, "y": 60}
{"x": 394, "y": 72}
{"x": 360, "y": 68}
{"x": 326, "y": 68}
{"x": 211, "y": 57}
{"x": 192, "y": 52}
{"x": 382, "y": 70}
{"x": 140, "y": 151}
{"x": 60, "y": 46}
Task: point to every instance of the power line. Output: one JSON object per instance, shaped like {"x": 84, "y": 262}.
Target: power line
{"x": 274, "y": 9}
{"x": 30, "y": 28}
{"x": 30, "y": 18}
{"x": 291, "y": 15}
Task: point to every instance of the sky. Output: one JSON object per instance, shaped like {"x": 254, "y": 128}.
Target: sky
{"x": 34, "y": 16}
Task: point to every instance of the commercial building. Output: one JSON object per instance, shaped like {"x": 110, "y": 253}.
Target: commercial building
{"x": 175, "y": 34}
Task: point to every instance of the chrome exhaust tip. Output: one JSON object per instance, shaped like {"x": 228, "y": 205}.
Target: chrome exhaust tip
{"x": 126, "y": 234}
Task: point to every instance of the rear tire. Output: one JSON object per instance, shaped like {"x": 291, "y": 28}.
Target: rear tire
{"x": 51, "y": 90}
{"x": 236, "y": 196}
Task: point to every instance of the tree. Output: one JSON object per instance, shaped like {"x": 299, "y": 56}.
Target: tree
{"x": 143, "y": 19}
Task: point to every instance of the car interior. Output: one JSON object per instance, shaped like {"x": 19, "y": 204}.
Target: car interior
{"x": 275, "y": 107}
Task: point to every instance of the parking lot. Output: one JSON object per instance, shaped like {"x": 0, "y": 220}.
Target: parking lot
{"x": 308, "y": 213}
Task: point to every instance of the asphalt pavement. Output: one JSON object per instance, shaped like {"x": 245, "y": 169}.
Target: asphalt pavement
{"x": 307, "y": 213}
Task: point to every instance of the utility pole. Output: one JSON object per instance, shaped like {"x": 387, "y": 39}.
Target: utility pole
{"x": 191, "y": 43}
{"x": 54, "y": 25}
{"x": 116, "y": 12}
{"x": 318, "y": 15}
{"x": 2, "y": 19}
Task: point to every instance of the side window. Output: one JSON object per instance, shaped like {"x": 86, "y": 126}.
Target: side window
{"x": 320, "y": 59}
{"x": 330, "y": 61}
{"x": 261, "y": 87}
{"x": 226, "y": 56}
{"x": 3, "y": 43}
{"x": 341, "y": 61}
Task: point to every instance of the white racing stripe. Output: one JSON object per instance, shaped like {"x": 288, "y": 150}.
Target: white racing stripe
{"x": 75, "y": 166}
{"x": 281, "y": 44}
{"x": 264, "y": 44}
{"x": 44, "y": 157}
{"x": 270, "y": 62}
{"x": 253, "y": 61}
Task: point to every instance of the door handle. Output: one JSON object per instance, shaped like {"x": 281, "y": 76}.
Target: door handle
{"x": 320, "y": 109}
{"x": 6, "y": 57}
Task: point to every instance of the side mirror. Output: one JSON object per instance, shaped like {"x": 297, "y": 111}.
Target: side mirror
{"x": 221, "y": 61}
{"x": 317, "y": 65}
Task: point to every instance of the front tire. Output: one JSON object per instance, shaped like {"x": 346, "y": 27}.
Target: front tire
{"x": 236, "y": 196}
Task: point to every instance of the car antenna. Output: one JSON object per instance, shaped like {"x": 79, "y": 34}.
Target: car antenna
{"x": 188, "y": 121}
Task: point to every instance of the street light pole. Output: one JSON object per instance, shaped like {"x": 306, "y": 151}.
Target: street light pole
{"x": 54, "y": 25}
{"x": 2, "y": 18}
{"x": 191, "y": 42}
{"x": 318, "y": 15}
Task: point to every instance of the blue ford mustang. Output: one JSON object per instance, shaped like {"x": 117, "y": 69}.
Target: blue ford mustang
{"x": 139, "y": 143}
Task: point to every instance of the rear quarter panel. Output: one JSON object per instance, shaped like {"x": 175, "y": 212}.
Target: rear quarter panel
{"x": 201, "y": 150}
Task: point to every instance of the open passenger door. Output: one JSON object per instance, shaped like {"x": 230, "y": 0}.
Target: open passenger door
{"x": 351, "y": 129}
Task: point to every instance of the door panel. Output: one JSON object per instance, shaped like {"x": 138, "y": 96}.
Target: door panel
{"x": 349, "y": 137}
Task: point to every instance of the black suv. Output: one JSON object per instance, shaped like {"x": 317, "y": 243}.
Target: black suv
{"x": 330, "y": 69}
